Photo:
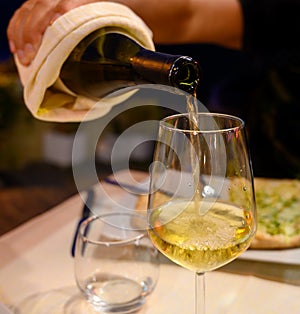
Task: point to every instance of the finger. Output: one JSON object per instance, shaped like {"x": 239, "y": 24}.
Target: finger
{"x": 27, "y": 27}
{"x": 29, "y": 23}
{"x": 16, "y": 20}
{"x": 11, "y": 30}
{"x": 35, "y": 25}
{"x": 15, "y": 30}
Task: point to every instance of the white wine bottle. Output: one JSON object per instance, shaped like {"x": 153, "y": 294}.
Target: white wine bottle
{"x": 109, "y": 60}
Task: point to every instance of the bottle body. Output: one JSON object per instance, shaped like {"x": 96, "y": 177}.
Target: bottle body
{"x": 109, "y": 60}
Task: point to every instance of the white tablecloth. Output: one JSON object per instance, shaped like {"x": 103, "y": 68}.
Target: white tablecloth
{"x": 36, "y": 262}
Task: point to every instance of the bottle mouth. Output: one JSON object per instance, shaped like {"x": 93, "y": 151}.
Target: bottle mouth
{"x": 185, "y": 74}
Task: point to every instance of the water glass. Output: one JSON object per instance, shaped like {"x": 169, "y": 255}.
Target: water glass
{"x": 116, "y": 265}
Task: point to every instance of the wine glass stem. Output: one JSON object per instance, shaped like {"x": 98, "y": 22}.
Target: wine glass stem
{"x": 199, "y": 293}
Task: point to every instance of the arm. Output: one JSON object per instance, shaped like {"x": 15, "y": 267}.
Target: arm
{"x": 192, "y": 21}
{"x": 172, "y": 21}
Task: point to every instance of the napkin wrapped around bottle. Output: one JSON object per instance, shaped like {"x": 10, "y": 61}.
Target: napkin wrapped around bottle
{"x": 44, "y": 95}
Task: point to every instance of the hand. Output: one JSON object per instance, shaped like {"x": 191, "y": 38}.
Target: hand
{"x": 29, "y": 22}
{"x": 202, "y": 21}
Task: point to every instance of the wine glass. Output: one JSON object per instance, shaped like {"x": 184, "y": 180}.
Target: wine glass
{"x": 201, "y": 210}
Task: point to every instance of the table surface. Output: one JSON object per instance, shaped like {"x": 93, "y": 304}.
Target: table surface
{"x": 36, "y": 266}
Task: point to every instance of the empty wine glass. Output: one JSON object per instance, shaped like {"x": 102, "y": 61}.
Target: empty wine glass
{"x": 201, "y": 210}
{"x": 116, "y": 265}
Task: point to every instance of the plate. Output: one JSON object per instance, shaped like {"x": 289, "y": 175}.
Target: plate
{"x": 286, "y": 256}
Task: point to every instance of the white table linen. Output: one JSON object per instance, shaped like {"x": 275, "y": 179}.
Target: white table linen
{"x": 36, "y": 262}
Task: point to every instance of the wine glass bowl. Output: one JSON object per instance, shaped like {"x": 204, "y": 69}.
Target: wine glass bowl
{"x": 201, "y": 209}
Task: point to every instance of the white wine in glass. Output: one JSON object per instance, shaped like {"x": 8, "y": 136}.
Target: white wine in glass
{"x": 201, "y": 209}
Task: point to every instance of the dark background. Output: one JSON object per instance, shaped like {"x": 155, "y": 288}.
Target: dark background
{"x": 266, "y": 95}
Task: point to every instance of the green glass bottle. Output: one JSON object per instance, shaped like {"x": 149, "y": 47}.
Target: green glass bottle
{"x": 109, "y": 60}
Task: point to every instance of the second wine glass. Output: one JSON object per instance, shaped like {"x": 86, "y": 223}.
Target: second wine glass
{"x": 201, "y": 210}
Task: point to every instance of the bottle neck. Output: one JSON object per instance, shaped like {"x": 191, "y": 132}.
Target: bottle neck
{"x": 174, "y": 70}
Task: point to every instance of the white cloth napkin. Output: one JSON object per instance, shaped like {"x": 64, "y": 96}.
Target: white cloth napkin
{"x": 43, "y": 95}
